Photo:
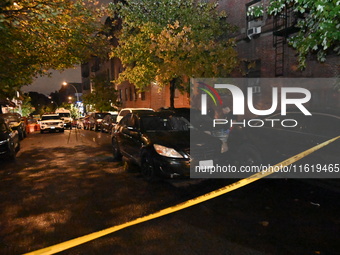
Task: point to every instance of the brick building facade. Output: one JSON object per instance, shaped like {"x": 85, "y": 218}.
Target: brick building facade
{"x": 262, "y": 42}
{"x": 154, "y": 97}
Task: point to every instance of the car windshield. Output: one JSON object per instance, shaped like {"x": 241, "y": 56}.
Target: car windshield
{"x": 172, "y": 123}
{"x": 64, "y": 114}
{"x": 51, "y": 117}
{"x": 114, "y": 118}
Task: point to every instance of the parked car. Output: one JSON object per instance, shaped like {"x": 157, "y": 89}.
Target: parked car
{"x": 160, "y": 144}
{"x": 86, "y": 122}
{"x": 15, "y": 123}
{"x": 267, "y": 144}
{"x": 126, "y": 111}
{"x": 9, "y": 140}
{"x": 51, "y": 122}
{"x": 65, "y": 115}
{"x": 108, "y": 122}
{"x": 79, "y": 123}
{"x": 95, "y": 120}
{"x": 194, "y": 116}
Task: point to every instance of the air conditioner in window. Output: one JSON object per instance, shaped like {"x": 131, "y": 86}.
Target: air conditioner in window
{"x": 253, "y": 31}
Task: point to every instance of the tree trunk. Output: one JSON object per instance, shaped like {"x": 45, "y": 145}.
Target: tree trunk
{"x": 172, "y": 93}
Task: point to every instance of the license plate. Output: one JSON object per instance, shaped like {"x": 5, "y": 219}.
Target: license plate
{"x": 52, "y": 127}
{"x": 206, "y": 164}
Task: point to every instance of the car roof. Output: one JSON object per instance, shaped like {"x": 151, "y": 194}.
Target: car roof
{"x": 10, "y": 114}
{"x": 164, "y": 114}
{"x": 137, "y": 108}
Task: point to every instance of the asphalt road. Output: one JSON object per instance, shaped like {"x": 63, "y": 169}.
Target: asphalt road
{"x": 66, "y": 185}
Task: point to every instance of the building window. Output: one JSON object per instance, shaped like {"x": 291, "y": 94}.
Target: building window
{"x": 142, "y": 96}
{"x": 136, "y": 96}
{"x": 177, "y": 92}
{"x": 254, "y": 18}
{"x": 130, "y": 94}
{"x": 126, "y": 94}
{"x": 120, "y": 96}
{"x": 253, "y": 68}
{"x": 253, "y": 72}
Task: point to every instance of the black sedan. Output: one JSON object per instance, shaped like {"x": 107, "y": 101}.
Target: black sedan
{"x": 14, "y": 121}
{"x": 109, "y": 121}
{"x": 160, "y": 144}
{"x": 9, "y": 141}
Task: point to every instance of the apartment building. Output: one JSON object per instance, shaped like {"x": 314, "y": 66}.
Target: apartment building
{"x": 261, "y": 42}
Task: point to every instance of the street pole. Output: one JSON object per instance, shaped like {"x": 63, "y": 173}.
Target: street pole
{"x": 77, "y": 94}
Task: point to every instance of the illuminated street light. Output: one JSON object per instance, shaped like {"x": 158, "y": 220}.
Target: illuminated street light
{"x": 79, "y": 105}
{"x": 55, "y": 103}
{"x": 77, "y": 94}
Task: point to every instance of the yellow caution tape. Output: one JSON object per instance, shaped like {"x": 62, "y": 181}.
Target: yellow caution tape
{"x": 16, "y": 124}
{"x": 80, "y": 240}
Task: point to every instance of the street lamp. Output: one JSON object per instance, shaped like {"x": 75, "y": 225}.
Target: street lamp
{"x": 54, "y": 103}
{"x": 77, "y": 94}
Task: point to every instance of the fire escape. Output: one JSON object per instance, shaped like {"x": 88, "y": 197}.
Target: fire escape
{"x": 284, "y": 25}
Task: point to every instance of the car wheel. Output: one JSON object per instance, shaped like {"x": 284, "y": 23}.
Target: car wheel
{"x": 41, "y": 131}
{"x": 18, "y": 147}
{"x": 249, "y": 155}
{"x": 117, "y": 156}
{"x": 148, "y": 168}
{"x": 62, "y": 130}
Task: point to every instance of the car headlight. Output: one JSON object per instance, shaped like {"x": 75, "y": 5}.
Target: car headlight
{"x": 167, "y": 152}
{"x": 4, "y": 141}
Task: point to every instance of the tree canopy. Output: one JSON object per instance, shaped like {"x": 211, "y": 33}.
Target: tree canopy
{"x": 40, "y": 35}
{"x": 103, "y": 95}
{"x": 319, "y": 28}
{"x": 167, "y": 40}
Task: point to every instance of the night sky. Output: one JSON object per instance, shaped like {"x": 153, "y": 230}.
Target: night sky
{"x": 46, "y": 85}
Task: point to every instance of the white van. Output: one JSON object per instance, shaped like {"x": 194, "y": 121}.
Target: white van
{"x": 65, "y": 115}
